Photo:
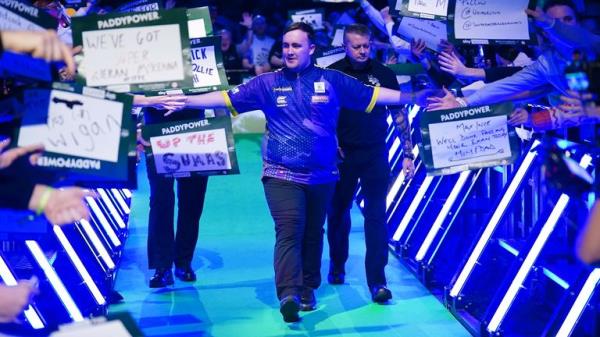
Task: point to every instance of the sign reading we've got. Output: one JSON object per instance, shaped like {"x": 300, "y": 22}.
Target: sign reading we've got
{"x": 134, "y": 52}
{"x": 462, "y": 139}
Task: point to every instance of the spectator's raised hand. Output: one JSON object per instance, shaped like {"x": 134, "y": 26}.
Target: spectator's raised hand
{"x": 417, "y": 49}
{"x": 246, "y": 20}
{"x": 448, "y": 101}
{"x": 450, "y": 63}
{"x": 541, "y": 18}
{"x": 519, "y": 116}
{"x": 9, "y": 156}
{"x": 385, "y": 14}
{"x": 446, "y": 47}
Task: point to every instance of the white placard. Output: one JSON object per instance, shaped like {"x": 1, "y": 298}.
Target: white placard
{"x": 491, "y": 20}
{"x": 315, "y": 19}
{"x": 431, "y": 32}
{"x": 196, "y": 28}
{"x": 432, "y": 7}
{"x": 469, "y": 141}
{"x": 191, "y": 152}
{"x": 204, "y": 67}
{"x": 338, "y": 38}
{"x": 132, "y": 55}
{"x": 12, "y": 21}
{"x": 328, "y": 60}
{"x": 77, "y": 125}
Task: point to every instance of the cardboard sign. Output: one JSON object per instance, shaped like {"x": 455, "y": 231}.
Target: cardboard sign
{"x": 16, "y": 15}
{"x": 134, "y": 52}
{"x": 423, "y": 9}
{"x": 313, "y": 17}
{"x": 431, "y": 32}
{"x": 87, "y": 133}
{"x": 338, "y": 36}
{"x": 207, "y": 64}
{"x": 467, "y": 138}
{"x": 326, "y": 57}
{"x": 199, "y": 23}
{"x": 192, "y": 147}
{"x": 491, "y": 21}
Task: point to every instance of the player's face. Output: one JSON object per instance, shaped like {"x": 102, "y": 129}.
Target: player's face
{"x": 297, "y": 50}
{"x": 562, "y": 13}
{"x": 358, "y": 47}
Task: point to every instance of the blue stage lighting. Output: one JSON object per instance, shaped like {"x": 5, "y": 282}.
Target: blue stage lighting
{"x": 580, "y": 303}
{"x": 54, "y": 280}
{"x": 87, "y": 279}
{"x": 494, "y": 220}
{"x": 531, "y": 257}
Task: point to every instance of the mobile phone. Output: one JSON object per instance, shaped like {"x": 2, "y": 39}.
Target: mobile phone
{"x": 577, "y": 81}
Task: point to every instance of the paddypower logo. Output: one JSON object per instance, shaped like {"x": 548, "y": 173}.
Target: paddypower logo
{"x": 464, "y": 113}
{"x": 127, "y": 20}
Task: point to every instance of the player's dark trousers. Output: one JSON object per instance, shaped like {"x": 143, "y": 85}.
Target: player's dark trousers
{"x": 298, "y": 211}
{"x": 165, "y": 245}
{"x": 371, "y": 166}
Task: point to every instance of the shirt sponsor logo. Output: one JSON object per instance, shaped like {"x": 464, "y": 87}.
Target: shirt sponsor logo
{"x": 373, "y": 80}
{"x": 320, "y": 99}
{"x": 282, "y": 89}
{"x": 281, "y": 101}
{"x": 319, "y": 87}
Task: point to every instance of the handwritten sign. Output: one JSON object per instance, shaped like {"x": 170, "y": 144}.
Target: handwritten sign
{"x": 431, "y": 32}
{"x": 207, "y": 63}
{"x": 485, "y": 21}
{"x": 329, "y": 56}
{"x": 134, "y": 52}
{"x": 467, "y": 138}
{"x": 16, "y": 15}
{"x": 85, "y": 131}
{"x": 76, "y": 125}
{"x": 189, "y": 147}
{"x": 313, "y": 17}
{"x": 423, "y": 9}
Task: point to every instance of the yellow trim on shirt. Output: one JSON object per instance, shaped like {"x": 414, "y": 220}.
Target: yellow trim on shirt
{"x": 373, "y": 99}
{"x": 228, "y": 103}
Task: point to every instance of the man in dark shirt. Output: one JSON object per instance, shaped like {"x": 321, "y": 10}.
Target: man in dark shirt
{"x": 364, "y": 156}
{"x": 165, "y": 245}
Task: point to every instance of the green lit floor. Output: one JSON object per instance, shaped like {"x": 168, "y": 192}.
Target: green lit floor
{"x": 235, "y": 293}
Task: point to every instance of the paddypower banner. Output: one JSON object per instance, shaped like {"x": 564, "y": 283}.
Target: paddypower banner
{"x": 192, "y": 147}
{"x": 468, "y": 138}
{"x": 134, "y": 52}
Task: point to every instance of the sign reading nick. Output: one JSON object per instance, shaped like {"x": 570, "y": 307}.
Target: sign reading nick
{"x": 192, "y": 147}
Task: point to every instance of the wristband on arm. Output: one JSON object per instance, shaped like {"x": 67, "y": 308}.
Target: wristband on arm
{"x": 44, "y": 200}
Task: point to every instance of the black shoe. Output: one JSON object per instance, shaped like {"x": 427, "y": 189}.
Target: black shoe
{"x": 336, "y": 278}
{"x": 289, "y": 307}
{"x": 162, "y": 278}
{"x": 308, "y": 302}
{"x": 185, "y": 274}
{"x": 380, "y": 294}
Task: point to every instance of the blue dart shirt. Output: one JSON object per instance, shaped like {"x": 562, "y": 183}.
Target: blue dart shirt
{"x": 301, "y": 110}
